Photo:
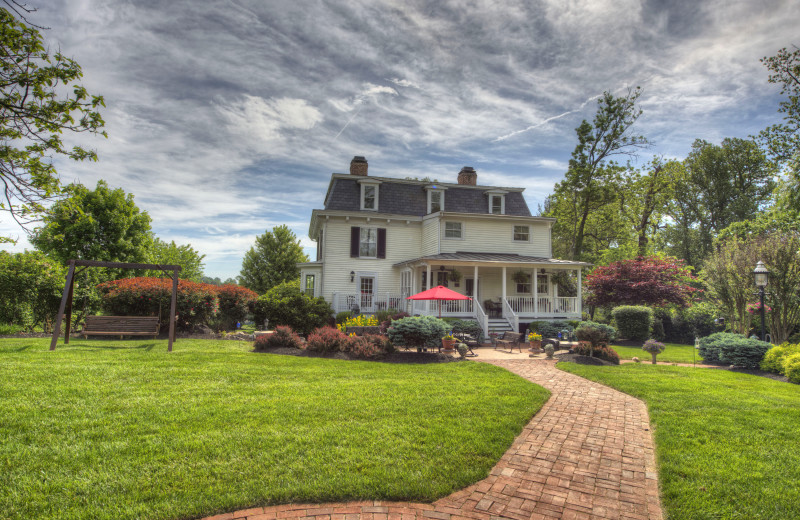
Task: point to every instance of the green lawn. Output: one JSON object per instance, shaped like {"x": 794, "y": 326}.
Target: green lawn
{"x": 727, "y": 443}
{"x": 673, "y": 353}
{"x": 114, "y": 430}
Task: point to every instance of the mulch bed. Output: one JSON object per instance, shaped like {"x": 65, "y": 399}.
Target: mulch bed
{"x": 401, "y": 356}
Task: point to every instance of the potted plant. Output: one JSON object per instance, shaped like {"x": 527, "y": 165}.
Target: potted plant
{"x": 535, "y": 341}
{"x": 520, "y": 277}
{"x": 455, "y": 275}
{"x": 448, "y": 342}
{"x": 654, "y": 348}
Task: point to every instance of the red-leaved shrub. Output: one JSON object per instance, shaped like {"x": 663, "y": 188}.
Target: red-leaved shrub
{"x": 326, "y": 339}
{"x": 601, "y": 352}
{"x": 197, "y": 303}
{"x": 282, "y": 337}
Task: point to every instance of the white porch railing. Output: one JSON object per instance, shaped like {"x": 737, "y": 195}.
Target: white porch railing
{"x": 482, "y": 319}
{"x": 367, "y": 303}
{"x": 543, "y": 306}
{"x": 509, "y": 315}
{"x": 448, "y": 307}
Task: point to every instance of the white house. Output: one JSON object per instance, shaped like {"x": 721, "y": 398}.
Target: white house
{"x": 382, "y": 239}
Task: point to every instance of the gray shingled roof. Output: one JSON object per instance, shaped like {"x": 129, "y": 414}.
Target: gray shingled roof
{"x": 501, "y": 258}
{"x": 410, "y": 199}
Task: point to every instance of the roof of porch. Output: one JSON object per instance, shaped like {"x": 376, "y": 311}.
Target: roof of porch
{"x": 492, "y": 258}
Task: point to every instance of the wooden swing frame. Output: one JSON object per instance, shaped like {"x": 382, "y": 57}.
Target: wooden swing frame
{"x": 66, "y": 299}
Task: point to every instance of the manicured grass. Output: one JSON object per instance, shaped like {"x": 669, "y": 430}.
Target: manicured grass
{"x": 114, "y": 430}
{"x": 673, "y": 353}
{"x": 726, "y": 443}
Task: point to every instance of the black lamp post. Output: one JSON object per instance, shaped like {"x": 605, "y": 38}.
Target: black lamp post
{"x": 761, "y": 275}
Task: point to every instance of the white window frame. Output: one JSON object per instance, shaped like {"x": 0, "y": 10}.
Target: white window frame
{"x": 430, "y": 200}
{"x": 514, "y": 232}
{"x": 502, "y": 203}
{"x": 361, "y": 241}
{"x": 460, "y": 231}
{"x": 313, "y": 284}
{"x": 364, "y": 186}
{"x": 546, "y": 284}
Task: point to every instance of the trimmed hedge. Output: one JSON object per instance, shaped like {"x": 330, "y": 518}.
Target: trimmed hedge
{"x": 775, "y": 357}
{"x": 144, "y": 296}
{"x": 286, "y": 304}
{"x": 235, "y": 303}
{"x": 634, "y": 322}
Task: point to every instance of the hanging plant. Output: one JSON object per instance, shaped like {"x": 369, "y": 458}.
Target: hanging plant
{"x": 455, "y": 275}
{"x": 520, "y": 277}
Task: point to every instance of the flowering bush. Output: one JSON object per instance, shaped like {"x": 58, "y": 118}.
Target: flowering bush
{"x": 358, "y": 321}
{"x": 596, "y": 334}
{"x": 197, "y": 303}
{"x": 532, "y": 336}
{"x": 326, "y": 339}
{"x": 282, "y": 337}
{"x": 755, "y": 308}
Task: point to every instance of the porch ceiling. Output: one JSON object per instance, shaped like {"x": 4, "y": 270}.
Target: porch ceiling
{"x": 492, "y": 258}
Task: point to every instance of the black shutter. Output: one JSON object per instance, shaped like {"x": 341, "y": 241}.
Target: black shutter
{"x": 355, "y": 241}
{"x": 381, "y": 242}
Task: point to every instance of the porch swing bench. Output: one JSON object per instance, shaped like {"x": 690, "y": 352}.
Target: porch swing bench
{"x": 121, "y": 326}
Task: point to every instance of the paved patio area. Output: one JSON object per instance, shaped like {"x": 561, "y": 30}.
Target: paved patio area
{"x": 587, "y": 454}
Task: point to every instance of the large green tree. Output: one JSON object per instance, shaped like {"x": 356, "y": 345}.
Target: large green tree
{"x": 40, "y": 99}
{"x": 100, "y": 224}
{"x": 590, "y": 184}
{"x": 272, "y": 260}
{"x": 643, "y": 198}
{"x": 190, "y": 260}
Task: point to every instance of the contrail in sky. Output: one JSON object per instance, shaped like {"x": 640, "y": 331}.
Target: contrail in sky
{"x": 537, "y": 125}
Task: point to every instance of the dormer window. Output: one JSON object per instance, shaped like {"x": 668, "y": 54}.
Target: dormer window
{"x": 369, "y": 196}
{"x": 497, "y": 202}
{"x": 435, "y": 199}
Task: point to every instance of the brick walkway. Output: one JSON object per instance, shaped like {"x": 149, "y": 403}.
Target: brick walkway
{"x": 587, "y": 454}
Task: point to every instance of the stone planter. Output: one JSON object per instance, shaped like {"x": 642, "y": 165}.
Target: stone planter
{"x": 536, "y": 346}
{"x": 448, "y": 344}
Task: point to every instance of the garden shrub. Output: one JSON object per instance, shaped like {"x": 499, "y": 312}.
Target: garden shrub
{"x": 658, "y": 329}
{"x": 791, "y": 368}
{"x": 372, "y": 346}
{"x": 418, "y": 331}
{"x": 733, "y": 349}
{"x": 326, "y": 339}
{"x": 471, "y": 327}
{"x": 601, "y": 352}
{"x": 550, "y": 329}
{"x": 286, "y": 304}
{"x": 235, "y": 303}
{"x": 7, "y": 329}
{"x": 710, "y": 345}
{"x": 634, "y": 322}
{"x": 384, "y": 315}
{"x": 197, "y": 303}
{"x": 776, "y": 356}
{"x": 31, "y": 287}
{"x": 282, "y": 337}
{"x": 388, "y": 323}
{"x": 341, "y": 317}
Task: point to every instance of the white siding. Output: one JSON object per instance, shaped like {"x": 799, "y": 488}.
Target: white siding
{"x": 430, "y": 232}
{"x": 402, "y": 243}
{"x": 487, "y": 236}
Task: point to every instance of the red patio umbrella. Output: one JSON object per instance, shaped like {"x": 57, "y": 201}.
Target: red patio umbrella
{"x": 439, "y": 293}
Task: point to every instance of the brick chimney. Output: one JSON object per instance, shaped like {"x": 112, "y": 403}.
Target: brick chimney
{"x": 468, "y": 176}
{"x": 358, "y": 166}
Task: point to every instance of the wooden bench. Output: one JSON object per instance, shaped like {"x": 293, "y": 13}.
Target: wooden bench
{"x": 121, "y": 326}
{"x": 511, "y": 340}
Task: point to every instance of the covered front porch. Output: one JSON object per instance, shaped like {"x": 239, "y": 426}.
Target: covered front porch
{"x": 512, "y": 288}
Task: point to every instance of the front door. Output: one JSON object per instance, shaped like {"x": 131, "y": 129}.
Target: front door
{"x": 472, "y": 289}
{"x": 367, "y": 288}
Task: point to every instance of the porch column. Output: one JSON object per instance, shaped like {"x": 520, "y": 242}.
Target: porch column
{"x": 504, "y": 282}
{"x": 475, "y": 284}
{"x": 536, "y": 292}
{"x": 579, "y": 305}
{"x": 427, "y": 304}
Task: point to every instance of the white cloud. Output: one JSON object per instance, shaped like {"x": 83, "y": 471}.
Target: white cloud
{"x": 264, "y": 119}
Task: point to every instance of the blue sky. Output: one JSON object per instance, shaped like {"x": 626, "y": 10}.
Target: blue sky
{"x": 227, "y": 118}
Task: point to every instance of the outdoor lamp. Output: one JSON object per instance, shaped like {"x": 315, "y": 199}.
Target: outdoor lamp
{"x": 352, "y": 275}
{"x": 761, "y": 274}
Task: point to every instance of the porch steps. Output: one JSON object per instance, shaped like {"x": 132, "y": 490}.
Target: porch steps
{"x": 499, "y": 325}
